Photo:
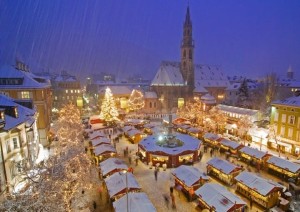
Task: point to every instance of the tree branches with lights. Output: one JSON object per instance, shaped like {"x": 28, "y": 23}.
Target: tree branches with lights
{"x": 136, "y": 100}
{"x": 57, "y": 183}
{"x": 109, "y": 111}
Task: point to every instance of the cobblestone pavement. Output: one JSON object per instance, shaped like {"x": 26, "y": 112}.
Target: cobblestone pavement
{"x": 156, "y": 189}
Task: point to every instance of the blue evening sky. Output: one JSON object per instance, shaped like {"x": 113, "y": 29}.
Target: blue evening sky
{"x": 245, "y": 37}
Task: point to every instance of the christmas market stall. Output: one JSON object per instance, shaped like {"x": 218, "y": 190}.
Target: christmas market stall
{"x": 196, "y": 132}
{"x": 137, "y": 123}
{"x": 223, "y": 170}
{"x": 96, "y": 134}
{"x": 103, "y": 152}
{"x": 99, "y": 141}
{"x": 183, "y": 128}
{"x": 111, "y": 166}
{"x": 230, "y": 146}
{"x": 119, "y": 183}
{"x": 253, "y": 156}
{"x": 149, "y": 128}
{"x": 136, "y": 202}
{"x": 211, "y": 139}
{"x": 262, "y": 191}
{"x": 135, "y": 135}
{"x": 284, "y": 169}
{"x": 189, "y": 179}
{"x": 215, "y": 197}
{"x": 173, "y": 150}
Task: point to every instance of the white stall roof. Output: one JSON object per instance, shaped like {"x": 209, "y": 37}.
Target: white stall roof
{"x": 117, "y": 183}
{"x": 218, "y": 196}
{"x": 103, "y": 149}
{"x": 230, "y": 143}
{"x": 211, "y": 136}
{"x": 253, "y": 152}
{"x": 96, "y": 134}
{"x": 261, "y": 185}
{"x": 137, "y": 202}
{"x": 99, "y": 141}
{"x": 112, "y": 164}
{"x": 285, "y": 164}
{"x": 133, "y": 132}
{"x": 222, "y": 165}
{"x": 189, "y": 174}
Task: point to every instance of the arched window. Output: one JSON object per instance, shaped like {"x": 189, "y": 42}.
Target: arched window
{"x": 150, "y": 105}
{"x": 184, "y": 64}
{"x": 190, "y": 54}
{"x": 184, "y": 53}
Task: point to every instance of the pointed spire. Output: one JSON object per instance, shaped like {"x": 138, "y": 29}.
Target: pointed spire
{"x": 187, "y": 16}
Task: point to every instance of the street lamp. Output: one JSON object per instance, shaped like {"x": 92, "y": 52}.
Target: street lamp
{"x": 125, "y": 172}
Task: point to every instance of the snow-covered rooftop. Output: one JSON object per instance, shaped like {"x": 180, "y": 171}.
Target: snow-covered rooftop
{"x": 134, "y": 132}
{"x": 237, "y": 110}
{"x": 218, "y": 197}
{"x": 190, "y": 143}
{"x": 168, "y": 74}
{"x": 21, "y": 79}
{"x": 222, "y": 165}
{"x": 189, "y": 175}
{"x": 260, "y": 185}
{"x": 237, "y": 85}
{"x": 136, "y": 202}
{"x": 211, "y": 136}
{"x": 112, "y": 164}
{"x": 285, "y": 164}
{"x": 292, "y": 101}
{"x": 150, "y": 95}
{"x": 104, "y": 148}
{"x": 117, "y": 183}
{"x": 96, "y": 134}
{"x": 229, "y": 143}
{"x": 99, "y": 141}
{"x": 253, "y": 152}
{"x": 25, "y": 115}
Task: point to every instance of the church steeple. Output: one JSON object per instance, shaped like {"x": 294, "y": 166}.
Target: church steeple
{"x": 187, "y": 51}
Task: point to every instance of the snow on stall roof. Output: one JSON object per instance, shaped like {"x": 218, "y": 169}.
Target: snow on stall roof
{"x": 25, "y": 115}
{"x": 292, "y": 101}
{"x": 128, "y": 128}
{"x": 168, "y": 74}
{"x": 190, "y": 143}
{"x": 230, "y": 143}
{"x": 117, "y": 182}
{"x": 238, "y": 110}
{"x": 285, "y": 164}
{"x": 103, "y": 149}
{"x": 222, "y": 165}
{"x": 218, "y": 197}
{"x": 28, "y": 79}
{"x": 211, "y": 136}
{"x": 261, "y": 185}
{"x": 98, "y": 126}
{"x": 112, "y": 164}
{"x": 253, "y": 152}
{"x": 134, "y": 132}
{"x": 194, "y": 130}
{"x": 96, "y": 134}
{"x": 189, "y": 174}
{"x": 137, "y": 202}
{"x": 99, "y": 141}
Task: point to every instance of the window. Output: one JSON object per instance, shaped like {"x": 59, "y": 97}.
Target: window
{"x": 190, "y": 54}
{"x": 8, "y": 149}
{"x": 290, "y": 133}
{"x": 291, "y": 119}
{"x": 150, "y": 105}
{"x": 180, "y": 102}
{"x": 78, "y": 91}
{"x": 55, "y": 98}
{"x": 71, "y": 91}
{"x": 154, "y": 104}
{"x": 67, "y": 91}
{"x": 15, "y": 141}
{"x": 184, "y": 54}
{"x": 282, "y": 130}
{"x": 276, "y": 116}
{"x": 25, "y": 95}
{"x": 283, "y": 118}
{"x": 68, "y": 97}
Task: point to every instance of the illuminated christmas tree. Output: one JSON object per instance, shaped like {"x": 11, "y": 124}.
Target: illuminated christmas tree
{"x": 109, "y": 112}
{"x": 136, "y": 100}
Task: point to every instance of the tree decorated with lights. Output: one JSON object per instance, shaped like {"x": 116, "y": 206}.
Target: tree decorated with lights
{"x": 136, "y": 100}
{"x": 217, "y": 119}
{"x": 192, "y": 111}
{"x": 57, "y": 184}
{"x": 109, "y": 111}
{"x": 244, "y": 124}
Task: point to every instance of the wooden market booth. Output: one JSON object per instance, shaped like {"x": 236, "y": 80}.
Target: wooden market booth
{"x": 103, "y": 152}
{"x": 262, "y": 191}
{"x": 134, "y": 135}
{"x": 253, "y": 156}
{"x": 230, "y": 146}
{"x": 111, "y": 166}
{"x": 189, "y": 179}
{"x": 283, "y": 169}
{"x": 214, "y": 197}
{"x": 223, "y": 170}
{"x": 211, "y": 139}
{"x": 136, "y": 202}
{"x": 195, "y": 131}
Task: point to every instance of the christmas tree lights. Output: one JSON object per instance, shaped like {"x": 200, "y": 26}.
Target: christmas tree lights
{"x": 109, "y": 112}
{"x": 136, "y": 100}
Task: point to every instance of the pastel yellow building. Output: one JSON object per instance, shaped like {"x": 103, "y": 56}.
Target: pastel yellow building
{"x": 30, "y": 91}
{"x": 285, "y": 117}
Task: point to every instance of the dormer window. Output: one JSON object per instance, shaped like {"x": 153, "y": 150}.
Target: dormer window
{"x": 2, "y": 115}
{"x": 16, "y": 112}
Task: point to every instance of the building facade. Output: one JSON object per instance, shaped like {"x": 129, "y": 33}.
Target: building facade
{"x": 31, "y": 91}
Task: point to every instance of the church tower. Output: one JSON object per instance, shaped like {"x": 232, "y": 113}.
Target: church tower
{"x": 187, "y": 52}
